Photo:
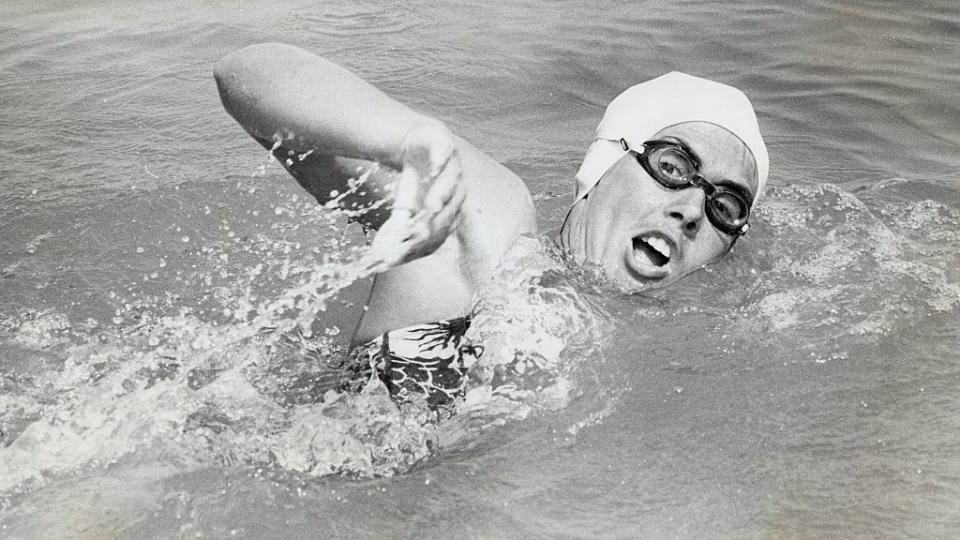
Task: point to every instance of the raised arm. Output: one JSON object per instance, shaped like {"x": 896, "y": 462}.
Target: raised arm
{"x": 275, "y": 90}
{"x": 327, "y": 122}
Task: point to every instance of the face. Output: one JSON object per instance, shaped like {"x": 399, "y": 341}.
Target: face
{"x": 643, "y": 234}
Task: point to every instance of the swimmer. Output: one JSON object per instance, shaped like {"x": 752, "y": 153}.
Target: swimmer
{"x": 666, "y": 188}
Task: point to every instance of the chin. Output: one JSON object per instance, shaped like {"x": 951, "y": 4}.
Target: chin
{"x": 627, "y": 282}
{"x": 630, "y": 282}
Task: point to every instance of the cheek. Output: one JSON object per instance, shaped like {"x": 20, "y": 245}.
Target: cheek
{"x": 707, "y": 248}
{"x": 636, "y": 201}
{"x": 614, "y": 206}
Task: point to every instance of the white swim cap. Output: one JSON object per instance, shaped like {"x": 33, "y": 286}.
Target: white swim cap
{"x": 643, "y": 110}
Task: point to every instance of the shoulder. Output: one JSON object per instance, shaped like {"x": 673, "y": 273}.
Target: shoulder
{"x": 497, "y": 211}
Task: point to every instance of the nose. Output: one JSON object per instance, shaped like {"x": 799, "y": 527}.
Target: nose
{"x": 686, "y": 208}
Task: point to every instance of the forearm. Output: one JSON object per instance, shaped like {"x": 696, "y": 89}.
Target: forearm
{"x": 312, "y": 104}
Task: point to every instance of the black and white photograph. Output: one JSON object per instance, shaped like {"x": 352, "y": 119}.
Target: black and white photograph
{"x": 515, "y": 269}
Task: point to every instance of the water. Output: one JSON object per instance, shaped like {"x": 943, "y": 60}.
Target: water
{"x": 156, "y": 269}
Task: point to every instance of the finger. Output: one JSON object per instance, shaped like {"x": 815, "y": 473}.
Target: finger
{"x": 419, "y": 237}
{"x": 444, "y": 187}
{"x": 441, "y": 153}
{"x": 373, "y": 265}
{"x": 444, "y": 221}
{"x": 419, "y": 232}
{"x": 383, "y": 255}
{"x": 407, "y": 189}
{"x": 457, "y": 197}
{"x": 416, "y": 244}
{"x": 402, "y": 240}
{"x": 387, "y": 247}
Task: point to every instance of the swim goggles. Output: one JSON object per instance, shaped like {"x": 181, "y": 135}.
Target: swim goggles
{"x": 673, "y": 166}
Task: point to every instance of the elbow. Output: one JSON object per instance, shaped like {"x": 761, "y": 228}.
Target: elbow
{"x": 224, "y": 73}
{"x": 246, "y": 73}
{"x": 247, "y": 59}
{"x": 256, "y": 58}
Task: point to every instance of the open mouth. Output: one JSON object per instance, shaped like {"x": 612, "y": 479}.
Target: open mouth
{"x": 654, "y": 248}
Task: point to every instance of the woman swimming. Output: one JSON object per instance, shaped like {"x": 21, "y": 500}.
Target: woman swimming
{"x": 667, "y": 187}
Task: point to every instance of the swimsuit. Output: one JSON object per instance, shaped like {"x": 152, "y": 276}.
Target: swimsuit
{"x": 427, "y": 359}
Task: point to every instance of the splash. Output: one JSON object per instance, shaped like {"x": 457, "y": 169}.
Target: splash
{"x": 228, "y": 371}
{"x": 538, "y": 333}
{"x": 236, "y": 370}
{"x": 842, "y": 267}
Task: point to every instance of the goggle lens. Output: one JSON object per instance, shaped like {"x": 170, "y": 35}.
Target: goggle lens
{"x": 727, "y": 211}
{"x": 673, "y": 165}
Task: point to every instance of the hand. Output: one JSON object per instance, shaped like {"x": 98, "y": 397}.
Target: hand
{"x": 427, "y": 199}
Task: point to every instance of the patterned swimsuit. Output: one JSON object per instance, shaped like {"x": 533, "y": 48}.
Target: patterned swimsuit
{"x": 427, "y": 359}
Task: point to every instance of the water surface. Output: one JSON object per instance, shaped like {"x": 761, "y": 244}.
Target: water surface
{"x": 154, "y": 381}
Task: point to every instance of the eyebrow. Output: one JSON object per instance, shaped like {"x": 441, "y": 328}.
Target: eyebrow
{"x": 686, "y": 148}
{"x": 742, "y": 187}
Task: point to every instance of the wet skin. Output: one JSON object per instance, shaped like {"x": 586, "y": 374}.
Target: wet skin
{"x": 643, "y": 235}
